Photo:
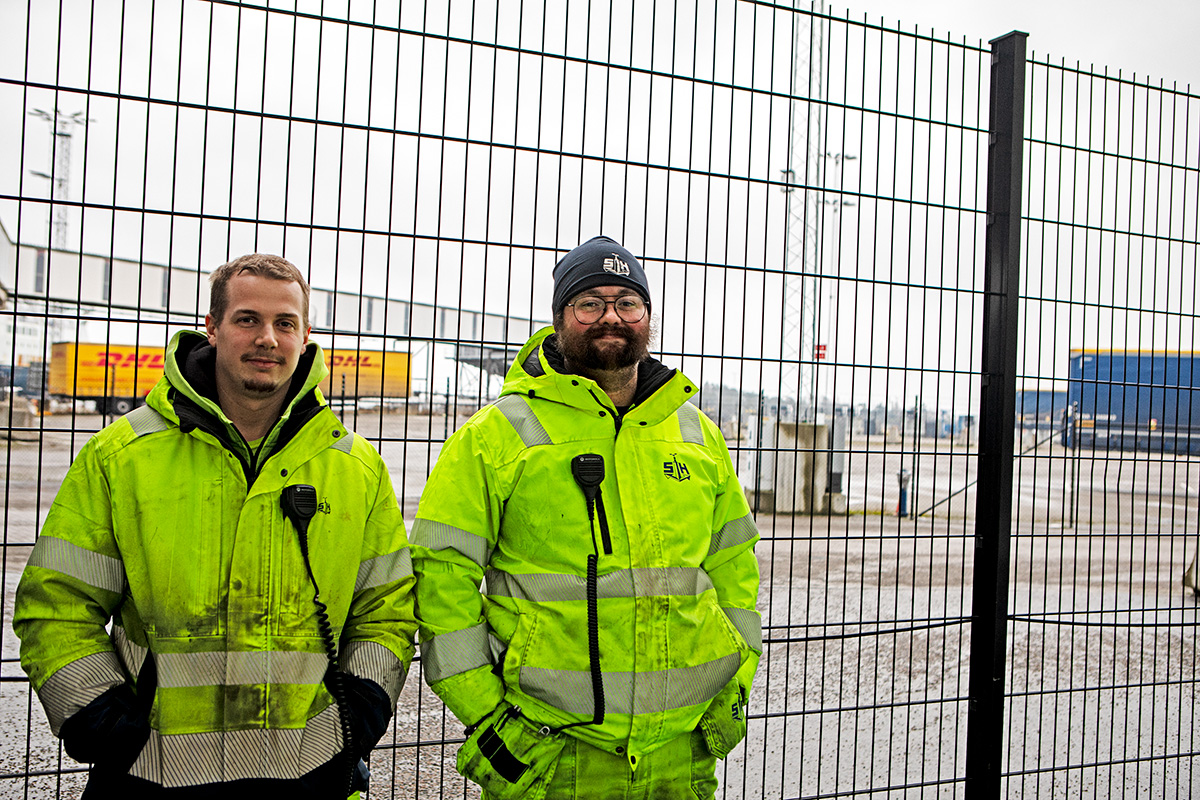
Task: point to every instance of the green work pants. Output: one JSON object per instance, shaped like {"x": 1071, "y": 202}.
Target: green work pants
{"x": 682, "y": 768}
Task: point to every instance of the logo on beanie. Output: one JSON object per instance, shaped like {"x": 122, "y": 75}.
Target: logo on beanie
{"x": 616, "y": 266}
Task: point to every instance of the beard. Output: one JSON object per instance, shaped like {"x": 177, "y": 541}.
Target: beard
{"x": 259, "y": 387}
{"x": 581, "y": 351}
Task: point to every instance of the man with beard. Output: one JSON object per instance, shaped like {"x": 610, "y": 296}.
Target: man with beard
{"x": 611, "y": 649}
{"x": 249, "y": 555}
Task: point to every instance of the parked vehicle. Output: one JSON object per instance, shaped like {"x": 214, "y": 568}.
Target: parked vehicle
{"x": 1134, "y": 400}
{"x": 118, "y": 377}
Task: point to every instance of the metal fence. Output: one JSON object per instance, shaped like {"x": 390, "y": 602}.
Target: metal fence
{"x": 874, "y": 249}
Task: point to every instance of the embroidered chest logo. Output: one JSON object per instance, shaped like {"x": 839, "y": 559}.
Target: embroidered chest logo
{"x": 676, "y": 469}
{"x": 324, "y": 507}
{"x": 616, "y": 266}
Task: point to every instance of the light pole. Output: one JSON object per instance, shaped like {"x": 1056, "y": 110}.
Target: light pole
{"x": 61, "y": 127}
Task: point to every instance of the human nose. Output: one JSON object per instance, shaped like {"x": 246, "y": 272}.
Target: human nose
{"x": 266, "y": 337}
{"x": 610, "y": 307}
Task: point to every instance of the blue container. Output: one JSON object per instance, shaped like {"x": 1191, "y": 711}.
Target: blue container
{"x": 1135, "y": 400}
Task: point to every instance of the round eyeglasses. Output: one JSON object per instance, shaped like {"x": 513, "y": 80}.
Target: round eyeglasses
{"x": 589, "y": 310}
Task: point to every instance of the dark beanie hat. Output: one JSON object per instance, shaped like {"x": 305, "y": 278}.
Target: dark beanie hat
{"x": 597, "y": 262}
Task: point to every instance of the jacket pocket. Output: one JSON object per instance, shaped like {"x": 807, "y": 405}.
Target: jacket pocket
{"x": 510, "y": 756}
{"x": 724, "y": 721}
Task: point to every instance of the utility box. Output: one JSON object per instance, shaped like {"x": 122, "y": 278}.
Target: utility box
{"x": 787, "y": 471}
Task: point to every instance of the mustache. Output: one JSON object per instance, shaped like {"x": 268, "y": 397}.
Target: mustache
{"x": 263, "y": 356}
{"x": 596, "y": 330}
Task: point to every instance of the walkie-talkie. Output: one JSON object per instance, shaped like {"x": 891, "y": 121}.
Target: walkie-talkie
{"x": 588, "y": 470}
{"x": 299, "y": 504}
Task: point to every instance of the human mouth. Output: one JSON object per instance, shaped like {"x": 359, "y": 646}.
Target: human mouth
{"x": 262, "y": 362}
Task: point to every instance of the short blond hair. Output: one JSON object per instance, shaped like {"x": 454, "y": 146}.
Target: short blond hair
{"x": 261, "y": 264}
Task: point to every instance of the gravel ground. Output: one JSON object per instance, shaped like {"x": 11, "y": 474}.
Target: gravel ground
{"x": 864, "y": 682}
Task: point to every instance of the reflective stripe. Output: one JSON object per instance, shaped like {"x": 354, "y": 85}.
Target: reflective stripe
{"x": 384, "y": 569}
{"x": 343, "y": 443}
{"x": 222, "y": 668}
{"x": 440, "y": 536}
{"x": 748, "y": 624}
{"x": 518, "y": 413}
{"x": 146, "y": 420}
{"x": 456, "y": 652}
{"x": 631, "y": 692}
{"x": 96, "y": 570}
{"x": 132, "y": 655}
{"x": 732, "y": 533}
{"x": 77, "y": 684}
{"x": 189, "y": 759}
{"x": 690, "y": 429}
{"x": 641, "y": 582}
{"x": 375, "y": 662}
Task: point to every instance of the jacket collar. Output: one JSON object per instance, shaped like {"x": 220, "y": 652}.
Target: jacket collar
{"x": 188, "y": 394}
{"x": 540, "y": 371}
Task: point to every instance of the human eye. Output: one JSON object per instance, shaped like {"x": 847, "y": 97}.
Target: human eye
{"x": 589, "y": 305}
{"x": 629, "y": 303}
{"x": 244, "y": 319}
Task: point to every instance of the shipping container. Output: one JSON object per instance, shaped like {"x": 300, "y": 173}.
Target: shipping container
{"x": 118, "y": 377}
{"x": 1135, "y": 400}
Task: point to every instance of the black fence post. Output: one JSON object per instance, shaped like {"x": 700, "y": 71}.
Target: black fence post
{"x": 997, "y": 418}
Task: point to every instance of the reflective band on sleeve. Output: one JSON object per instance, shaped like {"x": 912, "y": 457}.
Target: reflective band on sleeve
{"x": 456, "y": 652}
{"x": 733, "y": 533}
{"x": 631, "y": 692}
{"x": 518, "y": 413}
{"x": 690, "y": 429}
{"x": 96, "y": 570}
{"x": 189, "y": 759}
{"x": 177, "y": 670}
{"x": 77, "y": 684}
{"x": 384, "y": 569}
{"x": 641, "y": 582}
{"x": 343, "y": 443}
{"x": 748, "y": 624}
{"x": 440, "y": 536}
{"x": 146, "y": 420}
{"x": 375, "y": 662}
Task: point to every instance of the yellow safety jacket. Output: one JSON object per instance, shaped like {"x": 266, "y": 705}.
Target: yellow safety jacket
{"x": 169, "y": 524}
{"x": 501, "y": 546}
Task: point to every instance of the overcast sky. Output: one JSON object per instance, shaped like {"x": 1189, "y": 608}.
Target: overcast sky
{"x": 1152, "y": 38}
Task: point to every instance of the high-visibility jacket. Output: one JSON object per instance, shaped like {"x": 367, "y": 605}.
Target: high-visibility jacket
{"x": 170, "y": 524}
{"x": 677, "y": 579}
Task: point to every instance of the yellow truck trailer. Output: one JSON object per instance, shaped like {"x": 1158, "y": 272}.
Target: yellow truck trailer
{"x": 118, "y": 377}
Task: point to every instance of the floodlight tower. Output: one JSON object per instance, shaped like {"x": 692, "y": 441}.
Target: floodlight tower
{"x": 61, "y": 129}
{"x": 805, "y": 122}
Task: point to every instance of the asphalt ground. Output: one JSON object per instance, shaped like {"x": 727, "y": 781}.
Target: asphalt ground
{"x": 863, "y": 687}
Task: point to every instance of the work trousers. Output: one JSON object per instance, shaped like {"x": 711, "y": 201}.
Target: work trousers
{"x": 682, "y": 769}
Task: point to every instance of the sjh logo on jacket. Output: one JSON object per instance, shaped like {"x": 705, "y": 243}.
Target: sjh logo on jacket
{"x": 616, "y": 266}
{"x": 676, "y": 469}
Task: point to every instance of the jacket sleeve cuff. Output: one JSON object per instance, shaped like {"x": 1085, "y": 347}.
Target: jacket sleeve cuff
{"x": 77, "y": 684}
{"x": 374, "y": 662}
{"x": 471, "y": 695}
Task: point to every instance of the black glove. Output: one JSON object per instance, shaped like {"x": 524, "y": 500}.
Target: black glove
{"x": 110, "y": 731}
{"x": 369, "y": 710}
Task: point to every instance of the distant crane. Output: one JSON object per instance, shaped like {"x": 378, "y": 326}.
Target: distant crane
{"x": 62, "y": 127}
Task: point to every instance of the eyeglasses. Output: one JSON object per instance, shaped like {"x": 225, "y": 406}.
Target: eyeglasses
{"x": 589, "y": 310}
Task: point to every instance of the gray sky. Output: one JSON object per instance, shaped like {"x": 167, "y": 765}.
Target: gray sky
{"x": 1152, "y": 38}
{"x": 380, "y": 213}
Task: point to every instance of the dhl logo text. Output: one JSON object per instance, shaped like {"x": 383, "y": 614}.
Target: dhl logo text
{"x": 128, "y": 360}
{"x": 336, "y": 360}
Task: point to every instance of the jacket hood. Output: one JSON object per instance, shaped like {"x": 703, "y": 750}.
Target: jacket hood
{"x": 540, "y": 371}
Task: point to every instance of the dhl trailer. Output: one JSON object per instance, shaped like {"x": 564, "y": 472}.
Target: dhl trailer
{"x": 118, "y": 377}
